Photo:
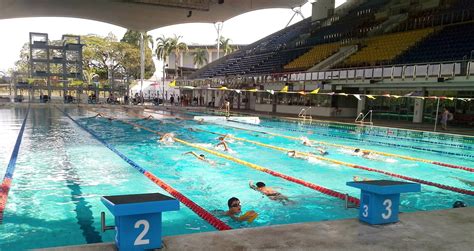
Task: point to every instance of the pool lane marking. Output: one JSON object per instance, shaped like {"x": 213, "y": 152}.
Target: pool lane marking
{"x": 454, "y": 189}
{"x": 340, "y": 124}
{"x": 313, "y": 186}
{"x": 201, "y": 212}
{"x": 8, "y": 178}
{"x": 362, "y": 140}
{"x": 464, "y": 168}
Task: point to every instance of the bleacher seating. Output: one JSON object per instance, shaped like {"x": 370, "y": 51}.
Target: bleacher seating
{"x": 383, "y": 49}
{"x": 313, "y": 56}
{"x": 451, "y": 43}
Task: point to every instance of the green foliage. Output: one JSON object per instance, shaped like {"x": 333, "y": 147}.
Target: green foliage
{"x": 224, "y": 44}
{"x": 165, "y": 46}
{"x": 200, "y": 57}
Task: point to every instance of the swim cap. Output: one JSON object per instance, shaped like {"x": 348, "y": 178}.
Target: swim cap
{"x": 459, "y": 204}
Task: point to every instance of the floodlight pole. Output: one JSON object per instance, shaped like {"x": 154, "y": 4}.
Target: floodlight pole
{"x": 297, "y": 11}
{"x": 219, "y": 26}
{"x": 142, "y": 65}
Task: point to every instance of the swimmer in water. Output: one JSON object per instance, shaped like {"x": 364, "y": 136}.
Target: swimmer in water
{"x": 357, "y": 178}
{"x": 467, "y": 182}
{"x": 167, "y": 138}
{"x": 202, "y": 157}
{"x": 148, "y": 118}
{"x": 223, "y": 144}
{"x": 235, "y": 209}
{"x": 296, "y": 155}
{"x": 269, "y": 192}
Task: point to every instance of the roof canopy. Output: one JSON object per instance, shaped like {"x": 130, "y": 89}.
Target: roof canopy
{"x": 140, "y": 15}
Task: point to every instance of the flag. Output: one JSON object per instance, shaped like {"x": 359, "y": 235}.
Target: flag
{"x": 172, "y": 83}
{"x": 271, "y": 91}
{"x": 396, "y": 96}
{"x": 331, "y": 93}
{"x": 223, "y": 88}
{"x": 370, "y": 96}
{"x": 450, "y": 98}
{"x": 252, "y": 90}
{"x": 357, "y": 96}
{"x": 315, "y": 91}
{"x": 238, "y": 91}
{"x": 284, "y": 89}
{"x": 387, "y": 95}
{"x": 343, "y": 94}
{"x": 302, "y": 93}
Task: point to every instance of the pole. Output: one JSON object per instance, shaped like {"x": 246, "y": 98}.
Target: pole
{"x": 164, "y": 64}
{"x": 436, "y": 118}
{"x": 142, "y": 64}
{"x": 218, "y": 26}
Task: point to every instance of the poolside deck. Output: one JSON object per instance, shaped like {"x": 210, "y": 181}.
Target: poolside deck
{"x": 435, "y": 230}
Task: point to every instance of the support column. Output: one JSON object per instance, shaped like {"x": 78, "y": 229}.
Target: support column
{"x": 418, "y": 110}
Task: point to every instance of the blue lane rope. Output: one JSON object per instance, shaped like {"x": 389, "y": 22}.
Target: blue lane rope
{"x": 7, "y": 179}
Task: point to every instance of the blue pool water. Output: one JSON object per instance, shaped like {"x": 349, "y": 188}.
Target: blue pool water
{"x": 62, "y": 172}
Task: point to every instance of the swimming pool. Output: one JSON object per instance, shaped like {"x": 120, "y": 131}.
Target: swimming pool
{"x": 62, "y": 171}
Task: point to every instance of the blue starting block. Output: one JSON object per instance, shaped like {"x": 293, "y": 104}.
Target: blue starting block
{"x": 138, "y": 219}
{"x": 380, "y": 199}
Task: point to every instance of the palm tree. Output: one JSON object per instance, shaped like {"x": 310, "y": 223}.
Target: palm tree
{"x": 224, "y": 44}
{"x": 200, "y": 57}
{"x": 165, "y": 46}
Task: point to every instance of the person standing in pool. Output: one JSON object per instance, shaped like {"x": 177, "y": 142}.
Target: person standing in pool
{"x": 235, "y": 209}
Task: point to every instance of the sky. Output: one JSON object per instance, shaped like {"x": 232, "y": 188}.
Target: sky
{"x": 243, "y": 29}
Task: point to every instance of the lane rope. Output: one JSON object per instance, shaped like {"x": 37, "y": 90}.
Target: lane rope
{"x": 454, "y": 189}
{"x": 313, "y": 186}
{"x": 201, "y": 212}
{"x": 8, "y": 178}
{"x": 464, "y": 168}
{"x": 362, "y": 140}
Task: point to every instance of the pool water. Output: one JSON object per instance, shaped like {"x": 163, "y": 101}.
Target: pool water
{"x": 62, "y": 171}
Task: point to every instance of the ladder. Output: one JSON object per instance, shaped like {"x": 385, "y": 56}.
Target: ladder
{"x": 361, "y": 118}
{"x": 303, "y": 114}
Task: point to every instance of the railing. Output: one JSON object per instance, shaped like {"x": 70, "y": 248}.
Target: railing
{"x": 302, "y": 114}
{"x": 447, "y": 69}
{"x": 361, "y": 118}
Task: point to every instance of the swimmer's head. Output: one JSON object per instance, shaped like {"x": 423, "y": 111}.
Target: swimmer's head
{"x": 232, "y": 202}
{"x": 260, "y": 184}
{"x": 291, "y": 153}
{"x": 459, "y": 204}
{"x": 202, "y": 155}
{"x": 357, "y": 150}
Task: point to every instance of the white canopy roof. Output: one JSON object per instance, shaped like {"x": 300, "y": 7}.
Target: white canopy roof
{"x": 140, "y": 15}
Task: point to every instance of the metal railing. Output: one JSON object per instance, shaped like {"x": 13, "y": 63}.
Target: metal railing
{"x": 361, "y": 118}
{"x": 303, "y": 114}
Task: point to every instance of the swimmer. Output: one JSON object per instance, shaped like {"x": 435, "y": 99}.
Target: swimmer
{"x": 357, "y": 178}
{"x": 305, "y": 141}
{"x": 235, "y": 209}
{"x": 149, "y": 117}
{"x": 467, "y": 182}
{"x": 98, "y": 115}
{"x": 322, "y": 151}
{"x": 224, "y": 144}
{"x": 269, "y": 192}
{"x": 294, "y": 154}
{"x": 200, "y": 121}
{"x": 202, "y": 157}
{"x": 167, "y": 138}
{"x": 459, "y": 204}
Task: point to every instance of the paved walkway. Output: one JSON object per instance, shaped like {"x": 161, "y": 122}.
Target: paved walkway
{"x": 436, "y": 230}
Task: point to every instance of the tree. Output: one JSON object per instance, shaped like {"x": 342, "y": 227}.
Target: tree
{"x": 133, "y": 37}
{"x": 165, "y": 46}
{"x": 225, "y": 46}
{"x": 200, "y": 57}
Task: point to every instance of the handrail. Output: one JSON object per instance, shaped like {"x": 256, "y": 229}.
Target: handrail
{"x": 302, "y": 114}
{"x": 362, "y": 120}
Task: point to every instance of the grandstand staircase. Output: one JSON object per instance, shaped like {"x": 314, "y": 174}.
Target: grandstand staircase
{"x": 338, "y": 57}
